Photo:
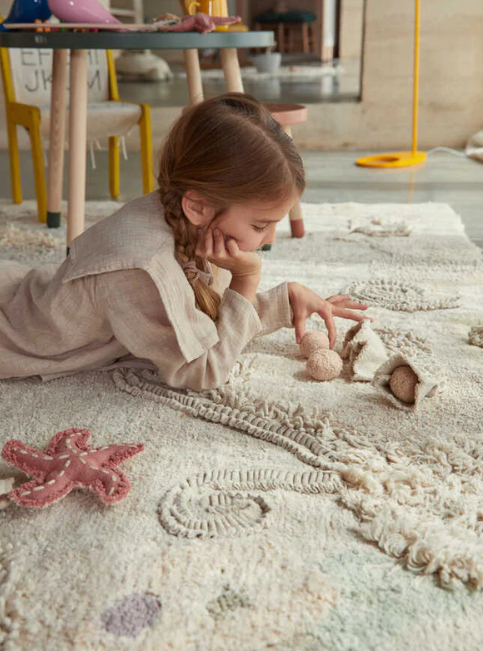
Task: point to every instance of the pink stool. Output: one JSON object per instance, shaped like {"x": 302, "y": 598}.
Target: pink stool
{"x": 287, "y": 115}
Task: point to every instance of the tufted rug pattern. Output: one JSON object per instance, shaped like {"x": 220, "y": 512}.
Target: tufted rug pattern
{"x": 276, "y": 512}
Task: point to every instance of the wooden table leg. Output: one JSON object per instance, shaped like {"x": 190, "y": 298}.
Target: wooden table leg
{"x": 195, "y": 86}
{"x": 231, "y": 70}
{"x": 57, "y": 135}
{"x": 296, "y": 216}
{"x": 77, "y": 144}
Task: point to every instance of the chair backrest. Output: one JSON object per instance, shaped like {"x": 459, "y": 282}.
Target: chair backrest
{"x": 31, "y": 74}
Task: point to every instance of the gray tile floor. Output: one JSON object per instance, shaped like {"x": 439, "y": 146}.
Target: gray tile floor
{"x": 332, "y": 177}
{"x": 343, "y": 86}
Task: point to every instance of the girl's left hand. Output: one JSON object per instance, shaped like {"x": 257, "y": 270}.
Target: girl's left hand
{"x": 305, "y": 302}
{"x": 212, "y": 246}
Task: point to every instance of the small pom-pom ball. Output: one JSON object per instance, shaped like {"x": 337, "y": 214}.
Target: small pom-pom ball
{"x": 324, "y": 365}
{"x": 403, "y": 383}
{"x": 312, "y": 341}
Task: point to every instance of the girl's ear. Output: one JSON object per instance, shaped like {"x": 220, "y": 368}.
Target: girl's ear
{"x": 196, "y": 208}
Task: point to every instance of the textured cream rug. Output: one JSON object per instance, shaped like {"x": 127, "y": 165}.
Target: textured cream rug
{"x": 276, "y": 512}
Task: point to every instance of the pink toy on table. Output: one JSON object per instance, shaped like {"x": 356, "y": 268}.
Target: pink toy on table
{"x": 202, "y": 23}
{"x": 81, "y": 11}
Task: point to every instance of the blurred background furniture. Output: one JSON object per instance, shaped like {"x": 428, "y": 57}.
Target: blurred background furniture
{"x": 294, "y": 29}
{"x": 79, "y": 43}
{"x": 136, "y": 64}
{"x": 323, "y": 29}
{"x": 303, "y": 32}
{"x": 212, "y": 58}
{"x": 27, "y": 85}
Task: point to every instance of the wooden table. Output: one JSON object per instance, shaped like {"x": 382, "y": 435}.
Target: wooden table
{"x": 79, "y": 43}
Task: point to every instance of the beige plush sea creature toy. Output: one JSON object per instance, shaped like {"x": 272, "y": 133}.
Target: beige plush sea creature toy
{"x": 405, "y": 381}
{"x": 324, "y": 365}
{"x": 312, "y": 341}
{"x": 365, "y": 351}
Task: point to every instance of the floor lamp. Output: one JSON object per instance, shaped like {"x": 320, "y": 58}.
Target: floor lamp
{"x": 413, "y": 157}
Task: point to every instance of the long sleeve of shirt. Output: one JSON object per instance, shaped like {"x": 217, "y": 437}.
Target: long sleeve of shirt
{"x": 273, "y": 308}
{"x": 272, "y": 305}
{"x": 131, "y": 303}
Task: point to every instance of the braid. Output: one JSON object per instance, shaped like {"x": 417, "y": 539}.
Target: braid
{"x": 207, "y": 299}
{"x": 177, "y": 221}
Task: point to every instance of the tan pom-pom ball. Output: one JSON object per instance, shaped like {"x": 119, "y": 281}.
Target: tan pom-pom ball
{"x": 324, "y": 365}
{"x": 312, "y": 341}
{"x": 403, "y": 384}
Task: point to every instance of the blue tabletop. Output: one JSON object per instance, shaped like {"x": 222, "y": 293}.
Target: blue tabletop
{"x": 135, "y": 40}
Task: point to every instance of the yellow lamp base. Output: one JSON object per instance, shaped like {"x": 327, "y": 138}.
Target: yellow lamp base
{"x": 396, "y": 159}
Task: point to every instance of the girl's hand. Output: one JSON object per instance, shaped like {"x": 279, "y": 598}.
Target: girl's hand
{"x": 211, "y": 246}
{"x": 305, "y": 302}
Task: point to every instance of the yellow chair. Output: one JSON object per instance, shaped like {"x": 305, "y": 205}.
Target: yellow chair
{"x": 35, "y": 118}
{"x": 145, "y": 134}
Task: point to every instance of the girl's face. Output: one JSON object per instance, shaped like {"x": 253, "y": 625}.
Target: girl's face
{"x": 252, "y": 224}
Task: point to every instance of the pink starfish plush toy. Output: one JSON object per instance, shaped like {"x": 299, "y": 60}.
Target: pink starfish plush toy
{"x": 69, "y": 463}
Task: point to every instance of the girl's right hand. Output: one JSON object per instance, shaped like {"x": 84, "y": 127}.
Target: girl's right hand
{"x": 211, "y": 245}
{"x": 305, "y": 302}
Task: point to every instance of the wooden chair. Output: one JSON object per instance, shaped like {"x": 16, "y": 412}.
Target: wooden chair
{"x": 26, "y": 85}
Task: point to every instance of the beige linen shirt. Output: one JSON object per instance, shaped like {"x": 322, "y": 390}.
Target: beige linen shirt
{"x": 121, "y": 298}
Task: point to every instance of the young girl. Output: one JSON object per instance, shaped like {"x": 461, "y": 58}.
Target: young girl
{"x": 138, "y": 288}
